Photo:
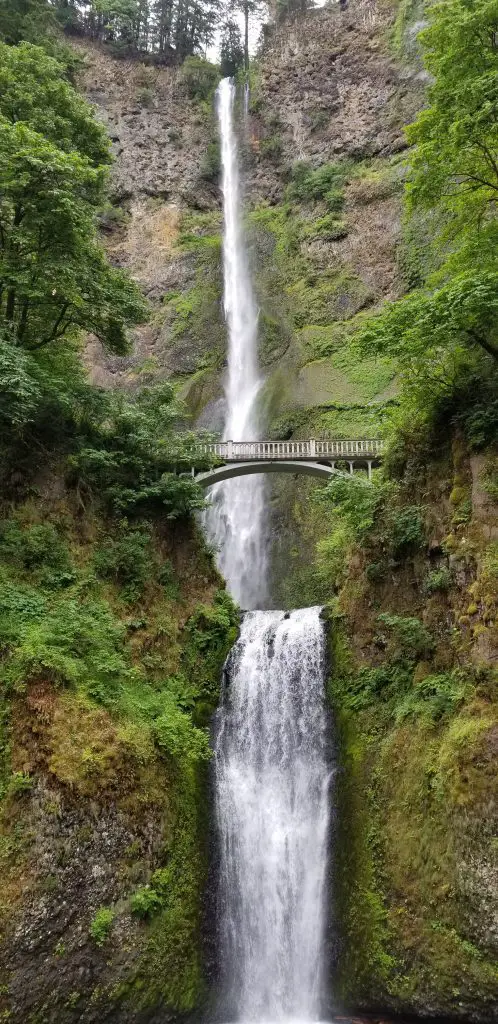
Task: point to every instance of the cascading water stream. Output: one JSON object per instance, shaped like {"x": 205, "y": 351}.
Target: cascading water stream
{"x": 235, "y": 522}
{"x": 271, "y": 751}
{"x": 272, "y": 782}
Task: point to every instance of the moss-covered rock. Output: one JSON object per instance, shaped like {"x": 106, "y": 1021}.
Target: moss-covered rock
{"x": 415, "y": 699}
{"x": 113, "y": 638}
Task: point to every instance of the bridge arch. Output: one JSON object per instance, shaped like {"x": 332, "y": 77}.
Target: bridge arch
{"x": 233, "y": 469}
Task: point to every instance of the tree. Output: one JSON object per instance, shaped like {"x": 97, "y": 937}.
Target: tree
{"x": 33, "y": 90}
{"x": 455, "y": 140}
{"x": 54, "y": 277}
{"x": 232, "y": 50}
{"x": 454, "y": 175}
{"x": 25, "y": 19}
{"x": 464, "y": 310}
{"x": 249, "y": 9}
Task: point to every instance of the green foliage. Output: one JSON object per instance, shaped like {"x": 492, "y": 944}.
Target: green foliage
{"x": 200, "y": 78}
{"x": 37, "y": 549}
{"x": 54, "y": 276}
{"x": 126, "y": 559}
{"x": 145, "y": 96}
{"x": 33, "y": 91}
{"x": 438, "y": 580}
{"x": 211, "y": 163}
{"x": 408, "y": 638}
{"x": 101, "y": 924}
{"x": 455, "y": 138}
{"x": 325, "y": 183}
{"x": 444, "y": 331}
{"x": 434, "y": 698}
{"x": 373, "y": 686}
{"x": 145, "y": 902}
{"x": 406, "y": 530}
{"x": 29, "y": 19}
{"x": 231, "y": 49}
{"x": 462, "y": 310}
{"x": 131, "y": 456}
{"x": 70, "y": 641}
{"x": 210, "y": 633}
{"x": 272, "y": 147}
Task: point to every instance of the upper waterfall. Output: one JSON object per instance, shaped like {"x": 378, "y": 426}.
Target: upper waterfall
{"x": 235, "y": 520}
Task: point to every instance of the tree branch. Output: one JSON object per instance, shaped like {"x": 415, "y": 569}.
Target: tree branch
{"x": 56, "y": 331}
{"x": 484, "y": 343}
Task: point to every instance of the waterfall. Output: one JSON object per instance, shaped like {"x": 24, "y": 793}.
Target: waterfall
{"x": 271, "y": 757}
{"x": 272, "y": 782}
{"x": 235, "y": 520}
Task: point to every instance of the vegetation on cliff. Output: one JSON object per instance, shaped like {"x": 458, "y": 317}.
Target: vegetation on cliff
{"x": 414, "y": 562}
{"x": 114, "y": 625}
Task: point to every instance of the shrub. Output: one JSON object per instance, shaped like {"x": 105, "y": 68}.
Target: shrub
{"x": 406, "y": 529}
{"x": 200, "y": 78}
{"x": 37, "y": 548}
{"x": 101, "y": 925}
{"x": 408, "y": 637}
{"x": 434, "y": 698}
{"x": 272, "y": 147}
{"x": 371, "y": 685}
{"x": 145, "y": 902}
{"x": 325, "y": 183}
{"x": 166, "y": 577}
{"x": 438, "y": 580}
{"x": 145, "y": 97}
{"x": 127, "y": 559}
{"x": 211, "y": 163}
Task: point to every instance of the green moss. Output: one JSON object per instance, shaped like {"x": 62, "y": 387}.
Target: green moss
{"x": 365, "y": 961}
{"x": 320, "y": 299}
{"x": 170, "y": 969}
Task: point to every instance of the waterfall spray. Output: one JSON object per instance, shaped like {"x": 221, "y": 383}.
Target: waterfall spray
{"x": 235, "y": 522}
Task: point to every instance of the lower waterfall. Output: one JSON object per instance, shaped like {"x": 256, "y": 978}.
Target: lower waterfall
{"x": 273, "y": 776}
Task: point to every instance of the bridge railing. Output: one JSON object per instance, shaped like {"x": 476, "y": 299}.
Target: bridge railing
{"x": 238, "y": 451}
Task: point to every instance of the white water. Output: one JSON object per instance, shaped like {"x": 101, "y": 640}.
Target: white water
{"x": 235, "y": 522}
{"x": 272, "y": 781}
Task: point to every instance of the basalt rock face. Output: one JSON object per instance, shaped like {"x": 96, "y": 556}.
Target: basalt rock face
{"x": 331, "y": 88}
{"x": 161, "y": 137}
{"x": 328, "y": 90}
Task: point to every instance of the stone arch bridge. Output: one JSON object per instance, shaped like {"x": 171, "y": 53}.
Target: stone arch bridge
{"x": 314, "y": 458}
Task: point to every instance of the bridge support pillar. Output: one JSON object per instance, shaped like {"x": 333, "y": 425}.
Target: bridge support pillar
{"x": 369, "y": 465}
{"x": 351, "y": 466}
{"x": 229, "y": 450}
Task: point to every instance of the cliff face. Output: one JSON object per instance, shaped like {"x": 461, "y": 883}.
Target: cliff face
{"x": 415, "y": 880}
{"x": 327, "y": 92}
{"x": 116, "y": 637}
{"x": 414, "y": 648}
{"x": 323, "y": 152}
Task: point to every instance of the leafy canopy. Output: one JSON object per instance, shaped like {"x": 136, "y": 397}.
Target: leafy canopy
{"x": 54, "y": 275}
{"x": 456, "y": 137}
{"x": 445, "y": 331}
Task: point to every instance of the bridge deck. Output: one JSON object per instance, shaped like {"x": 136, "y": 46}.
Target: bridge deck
{"x": 312, "y": 450}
